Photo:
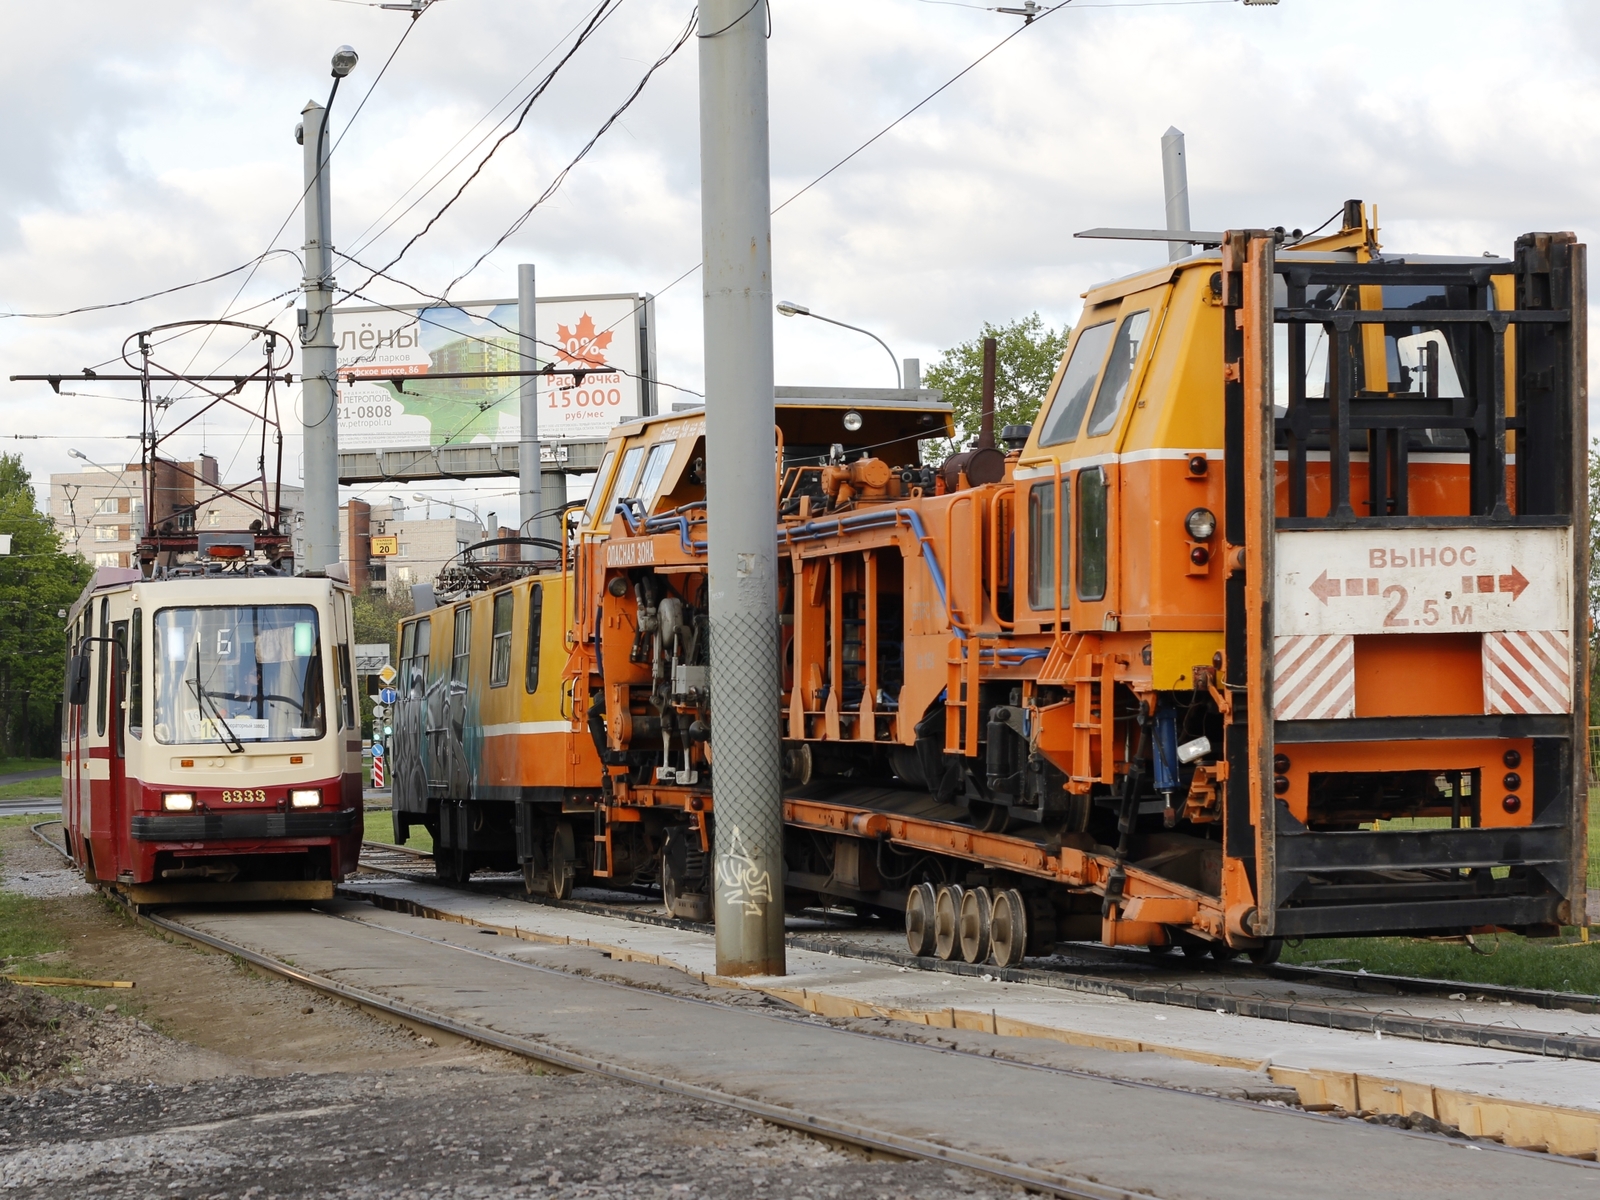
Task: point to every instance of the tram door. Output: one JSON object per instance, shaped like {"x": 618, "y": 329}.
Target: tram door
{"x": 94, "y": 778}
{"x": 117, "y": 747}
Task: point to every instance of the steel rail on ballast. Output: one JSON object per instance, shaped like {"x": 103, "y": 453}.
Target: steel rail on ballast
{"x": 808, "y": 1123}
{"x": 805, "y": 1122}
{"x": 1439, "y": 1030}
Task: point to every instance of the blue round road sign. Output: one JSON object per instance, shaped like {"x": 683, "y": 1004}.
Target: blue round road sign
{"x": 377, "y": 749}
{"x": 388, "y": 696}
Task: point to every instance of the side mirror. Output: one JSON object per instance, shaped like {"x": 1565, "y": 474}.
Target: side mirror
{"x": 78, "y": 675}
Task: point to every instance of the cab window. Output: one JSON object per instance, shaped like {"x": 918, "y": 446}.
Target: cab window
{"x": 535, "y": 628}
{"x": 623, "y": 488}
{"x": 593, "y": 507}
{"x": 654, "y": 468}
{"x": 1077, "y": 385}
{"x": 1118, "y": 373}
{"x": 1092, "y": 533}
{"x": 1042, "y": 544}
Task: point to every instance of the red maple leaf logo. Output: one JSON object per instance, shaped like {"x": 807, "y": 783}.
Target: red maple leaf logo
{"x": 582, "y": 346}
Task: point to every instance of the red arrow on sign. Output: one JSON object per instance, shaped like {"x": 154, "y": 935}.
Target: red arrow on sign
{"x": 1322, "y": 587}
{"x": 1515, "y": 583}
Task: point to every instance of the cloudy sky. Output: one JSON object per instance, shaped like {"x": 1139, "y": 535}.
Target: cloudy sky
{"x": 152, "y": 144}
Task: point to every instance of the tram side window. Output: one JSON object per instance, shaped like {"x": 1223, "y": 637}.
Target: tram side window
{"x": 1092, "y": 533}
{"x": 535, "y": 626}
{"x": 103, "y": 658}
{"x": 500, "y": 652}
{"x": 462, "y": 659}
{"x": 1042, "y": 544}
{"x": 136, "y": 676}
{"x": 419, "y": 664}
{"x": 408, "y": 641}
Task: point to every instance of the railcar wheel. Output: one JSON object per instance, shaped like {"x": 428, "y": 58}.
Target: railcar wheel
{"x": 946, "y": 921}
{"x": 446, "y": 864}
{"x": 1223, "y": 952}
{"x": 1008, "y": 928}
{"x": 1192, "y": 946}
{"x": 563, "y": 863}
{"x": 920, "y": 919}
{"x": 989, "y": 818}
{"x": 1267, "y": 953}
{"x": 692, "y": 906}
{"x": 977, "y": 912}
{"x": 1159, "y": 948}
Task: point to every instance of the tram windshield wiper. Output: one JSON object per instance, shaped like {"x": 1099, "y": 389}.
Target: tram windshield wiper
{"x": 203, "y": 698}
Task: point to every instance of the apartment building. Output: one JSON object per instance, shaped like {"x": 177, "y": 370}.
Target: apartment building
{"x": 100, "y": 511}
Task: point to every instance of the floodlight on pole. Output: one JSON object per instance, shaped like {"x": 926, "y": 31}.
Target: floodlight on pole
{"x": 790, "y": 309}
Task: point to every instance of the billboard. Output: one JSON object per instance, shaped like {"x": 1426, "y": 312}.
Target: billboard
{"x": 601, "y": 349}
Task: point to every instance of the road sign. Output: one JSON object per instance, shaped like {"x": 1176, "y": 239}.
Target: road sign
{"x": 372, "y": 658}
{"x": 379, "y": 712}
{"x": 388, "y": 695}
{"x": 387, "y": 673}
{"x": 385, "y": 546}
{"x": 377, "y": 749}
{"x": 377, "y": 772}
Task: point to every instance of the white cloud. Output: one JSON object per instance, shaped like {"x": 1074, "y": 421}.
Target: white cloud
{"x": 152, "y": 144}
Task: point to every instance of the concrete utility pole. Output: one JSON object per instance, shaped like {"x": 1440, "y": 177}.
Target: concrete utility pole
{"x": 741, "y": 501}
{"x": 319, "y": 356}
{"x": 1175, "y": 181}
{"x": 529, "y": 474}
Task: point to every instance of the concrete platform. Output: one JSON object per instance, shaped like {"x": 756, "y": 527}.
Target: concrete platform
{"x": 1525, "y": 1100}
{"x": 1117, "y": 1137}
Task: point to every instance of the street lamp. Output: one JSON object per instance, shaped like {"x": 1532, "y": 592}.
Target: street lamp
{"x": 429, "y": 500}
{"x": 790, "y": 309}
{"x": 121, "y": 482}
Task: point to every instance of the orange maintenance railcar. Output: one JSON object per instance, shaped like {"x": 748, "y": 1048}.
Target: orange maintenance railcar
{"x": 1270, "y": 626}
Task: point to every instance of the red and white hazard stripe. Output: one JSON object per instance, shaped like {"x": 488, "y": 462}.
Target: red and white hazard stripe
{"x": 1528, "y": 672}
{"x": 1314, "y": 677}
{"x": 377, "y": 771}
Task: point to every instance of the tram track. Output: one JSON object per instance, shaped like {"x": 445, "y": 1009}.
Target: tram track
{"x": 818, "y": 1124}
{"x": 1320, "y": 1013}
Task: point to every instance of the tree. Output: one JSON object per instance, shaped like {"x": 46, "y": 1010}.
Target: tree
{"x": 377, "y": 619}
{"x": 37, "y": 581}
{"x": 1027, "y": 352}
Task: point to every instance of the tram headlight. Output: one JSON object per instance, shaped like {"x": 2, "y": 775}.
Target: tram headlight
{"x": 177, "y": 801}
{"x": 305, "y": 798}
{"x": 1201, "y": 524}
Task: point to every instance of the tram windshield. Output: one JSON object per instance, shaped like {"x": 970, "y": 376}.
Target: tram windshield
{"x": 250, "y": 673}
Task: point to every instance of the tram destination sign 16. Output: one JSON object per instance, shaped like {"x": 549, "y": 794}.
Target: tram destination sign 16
{"x": 1448, "y": 580}
{"x": 601, "y": 350}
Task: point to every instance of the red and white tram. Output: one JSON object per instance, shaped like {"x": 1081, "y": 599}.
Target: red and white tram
{"x": 211, "y": 744}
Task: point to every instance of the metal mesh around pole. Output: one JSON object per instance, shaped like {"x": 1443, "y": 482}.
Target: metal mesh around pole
{"x": 748, "y": 792}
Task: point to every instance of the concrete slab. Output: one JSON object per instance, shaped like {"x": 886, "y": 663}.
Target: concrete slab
{"x": 1125, "y": 1136}
{"x": 1529, "y": 1100}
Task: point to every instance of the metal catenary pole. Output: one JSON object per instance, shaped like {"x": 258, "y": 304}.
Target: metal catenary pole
{"x": 319, "y": 356}
{"x": 1175, "y": 181}
{"x": 529, "y": 475}
{"x": 736, "y": 235}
